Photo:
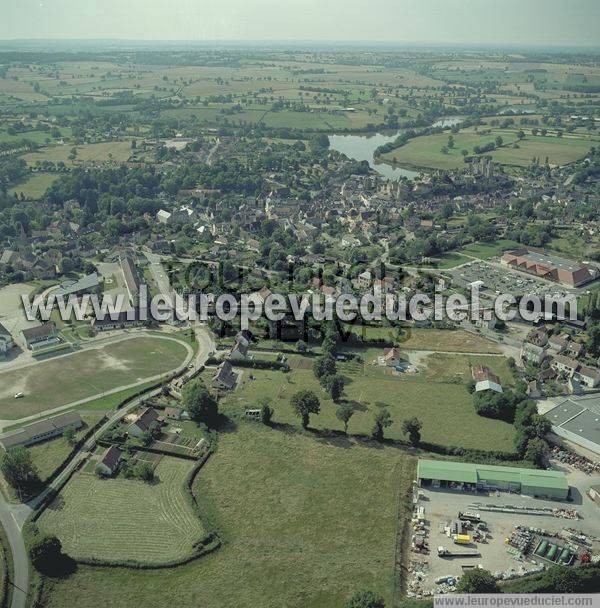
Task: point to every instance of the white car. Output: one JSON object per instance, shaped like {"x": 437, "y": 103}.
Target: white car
{"x": 19, "y": 395}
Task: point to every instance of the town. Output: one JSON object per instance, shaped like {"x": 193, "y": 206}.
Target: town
{"x": 298, "y": 462}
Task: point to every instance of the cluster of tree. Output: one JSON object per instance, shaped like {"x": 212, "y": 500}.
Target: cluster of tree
{"x": 19, "y": 470}
{"x": 141, "y": 470}
{"x": 199, "y": 403}
{"x": 44, "y": 550}
{"x": 325, "y": 368}
{"x": 516, "y": 408}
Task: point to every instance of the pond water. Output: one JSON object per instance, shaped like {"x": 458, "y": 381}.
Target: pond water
{"x": 362, "y": 147}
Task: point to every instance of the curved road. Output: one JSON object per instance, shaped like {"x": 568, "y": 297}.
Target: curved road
{"x": 13, "y": 516}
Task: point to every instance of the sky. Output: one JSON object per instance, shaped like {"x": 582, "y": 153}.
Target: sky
{"x": 463, "y": 22}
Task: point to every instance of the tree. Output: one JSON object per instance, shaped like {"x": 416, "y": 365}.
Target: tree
{"x": 69, "y": 435}
{"x": 145, "y": 472}
{"x": 382, "y": 421}
{"x": 499, "y": 141}
{"x": 18, "y": 468}
{"x": 334, "y": 385}
{"x": 324, "y": 366}
{"x": 266, "y": 411}
{"x": 199, "y": 403}
{"x": 536, "y": 451}
{"x": 593, "y": 343}
{"x": 44, "y": 551}
{"x": 305, "y": 403}
{"x": 301, "y": 346}
{"x": 412, "y": 427}
{"x": 477, "y": 581}
{"x": 365, "y": 599}
{"x": 343, "y": 414}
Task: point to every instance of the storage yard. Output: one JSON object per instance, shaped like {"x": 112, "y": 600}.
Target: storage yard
{"x": 458, "y": 526}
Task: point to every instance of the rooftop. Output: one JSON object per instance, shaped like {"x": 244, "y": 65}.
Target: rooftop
{"x": 472, "y": 473}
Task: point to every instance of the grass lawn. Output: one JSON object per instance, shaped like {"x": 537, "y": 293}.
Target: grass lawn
{"x": 125, "y": 519}
{"x": 57, "y": 382}
{"x": 305, "y": 523}
{"x": 35, "y": 187}
{"x": 485, "y": 251}
{"x": 440, "y": 340}
{"x": 49, "y": 455}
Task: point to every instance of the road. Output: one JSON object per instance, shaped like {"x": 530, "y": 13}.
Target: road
{"x": 13, "y": 516}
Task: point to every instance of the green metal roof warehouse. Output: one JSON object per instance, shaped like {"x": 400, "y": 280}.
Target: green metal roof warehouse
{"x": 532, "y": 482}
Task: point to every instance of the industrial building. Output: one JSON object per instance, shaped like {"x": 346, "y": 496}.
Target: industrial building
{"x": 471, "y": 477}
{"x": 577, "y": 419}
{"x": 549, "y": 267}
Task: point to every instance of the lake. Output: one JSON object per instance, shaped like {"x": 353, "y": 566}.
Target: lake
{"x": 362, "y": 147}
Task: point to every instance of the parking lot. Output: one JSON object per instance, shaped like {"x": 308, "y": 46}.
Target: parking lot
{"x": 498, "y": 280}
{"x": 441, "y": 506}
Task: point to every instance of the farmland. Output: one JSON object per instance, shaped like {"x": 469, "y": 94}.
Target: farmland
{"x": 86, "y": 374}
{"x": 282, "y": 502}
{"x": 126, "y": 520}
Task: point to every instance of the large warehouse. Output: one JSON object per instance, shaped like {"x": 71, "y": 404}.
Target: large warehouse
{"x": 532, "y": 482}
{"x": 578, "y": 420}
{"x": 549, "y": 267}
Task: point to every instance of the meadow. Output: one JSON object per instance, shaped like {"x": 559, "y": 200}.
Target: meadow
{"x": 86, "y": 374}
{"x": 428, "y": 150}
{"x": 35, "y": 187}
{"x": 305, "y": 522}
{"x": 124, "y": 519}
{"x": 117, "y": 151}
{"x": 438, "y": 392}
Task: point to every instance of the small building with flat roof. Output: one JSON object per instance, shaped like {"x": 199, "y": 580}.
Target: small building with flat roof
{"x": 531, "y": 482}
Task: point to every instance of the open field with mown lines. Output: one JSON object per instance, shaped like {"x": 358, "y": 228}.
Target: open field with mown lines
{"x": 50, "y": 384}
{"x": 122, "y": 519}
{"x": 305, "y": 522}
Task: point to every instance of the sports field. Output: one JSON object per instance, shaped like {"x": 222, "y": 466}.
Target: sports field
{"x": 305, "y": 523}
{"x": 123, "y": 519}
{"x": 50, "y": 384}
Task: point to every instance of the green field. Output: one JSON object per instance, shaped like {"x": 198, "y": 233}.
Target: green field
{"x": 122, "y": 519}
{"x": 117, "y": 151}
{"x": 438, "y": 392}
{"x": 85, "y": 374}
{"x": 35, "y": 187}
{"x": 305, "y": 523}
{"x": 426, "y": 151}
{"x": 485, "y": 251}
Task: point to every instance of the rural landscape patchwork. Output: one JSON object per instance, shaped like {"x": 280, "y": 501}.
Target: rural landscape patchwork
{"x": 277, "y": 457}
